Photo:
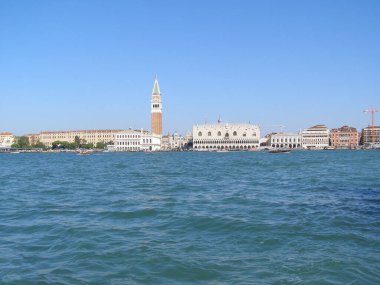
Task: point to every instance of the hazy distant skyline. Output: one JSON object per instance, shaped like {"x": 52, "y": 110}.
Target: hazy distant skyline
{"x": 91, "y": 64}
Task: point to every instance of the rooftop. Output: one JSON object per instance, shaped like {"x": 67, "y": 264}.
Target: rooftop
{"x": 81, "y": 131}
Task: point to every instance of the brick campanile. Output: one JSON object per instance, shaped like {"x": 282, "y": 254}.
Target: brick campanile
{"x": 156, "y": 109}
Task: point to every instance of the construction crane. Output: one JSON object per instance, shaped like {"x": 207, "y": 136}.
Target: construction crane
{"x": 372, "y": 111}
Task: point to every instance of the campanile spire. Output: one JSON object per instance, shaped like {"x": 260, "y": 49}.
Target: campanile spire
{"x": 156, "y": 109}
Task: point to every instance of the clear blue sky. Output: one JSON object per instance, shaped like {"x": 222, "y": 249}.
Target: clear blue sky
{"x": 91, "y": 64}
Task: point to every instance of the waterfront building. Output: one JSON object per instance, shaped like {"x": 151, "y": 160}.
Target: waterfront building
{"x": 165, "y": 142}
{"x": 156, "y": 109}
{"x": 316, "y": 137}
{"x": 174, "y": 141}
{"x": 189, "y": 140}
{"x": 33, "y": 138}
{"x": 367, "y": 135}
{"x": 225, "y": 136}
{"x": 89, "y": 136}
{"x": 136, "y": 140}
{"x": 265, "y": 141}
{"x": 6, "y": 139}
{"x": 344, "y": 137}
{"x": 286, "y": 140}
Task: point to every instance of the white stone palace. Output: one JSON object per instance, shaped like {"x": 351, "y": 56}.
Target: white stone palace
{"x": 134, "y": 140}
{"x": 225, "y": 136}
{"x": 317, "y": 137}
{"x": 285, "y": 140}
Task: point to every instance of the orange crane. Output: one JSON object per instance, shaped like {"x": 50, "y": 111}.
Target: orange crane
{"x": 372, "y": 111}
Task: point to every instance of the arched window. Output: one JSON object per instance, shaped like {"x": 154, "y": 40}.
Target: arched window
{"x": 244, "y": 134}
{"x": 219, "y": 134}
{"x": 200, "y": 134}
{"x": 209, "y": 134}
{"x": 235, "y": 133}
{"x": 227, "y": 135}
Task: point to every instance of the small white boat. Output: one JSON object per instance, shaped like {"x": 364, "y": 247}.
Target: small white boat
{"x": 279, "y": 151}
{"x": 85, "y": 152}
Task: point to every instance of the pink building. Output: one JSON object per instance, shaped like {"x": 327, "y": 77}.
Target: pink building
{"x": 344, "y": 137}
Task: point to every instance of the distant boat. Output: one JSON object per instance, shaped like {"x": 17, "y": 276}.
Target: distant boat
{"x": 329, "y": 148}
{"x": 85, "y": 152}
{"x": 15, "y": 152}
{"x": 279, "y": 151}
{"x": 372, "y": 146}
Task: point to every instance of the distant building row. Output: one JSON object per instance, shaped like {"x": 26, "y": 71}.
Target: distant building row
{"x": 320, "y": 137}
{"x": 119, "y": 140}
{"x": 209, "y": 137}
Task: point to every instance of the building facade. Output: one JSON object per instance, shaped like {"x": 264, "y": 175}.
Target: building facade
{"x": 286, "y": 140}
{"x": 316, "y": 137}
{"x": 33, "y": 138}
{"x": 223, "y": 136}
{"x": 367, "y": 135}
{"x": 6, "y": 140}
{"x": 344, "y": 137}
{"x": 134, "y": 140}
{"x": 156, "y": 109}
{"x": 174, "y": 142}
{"x": 90, "y": 136}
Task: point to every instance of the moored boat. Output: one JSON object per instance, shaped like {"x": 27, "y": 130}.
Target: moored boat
{"x": 85, "y": 152}
{"x": 279, "y": 151}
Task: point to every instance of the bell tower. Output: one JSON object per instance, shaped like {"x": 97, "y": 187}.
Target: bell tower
{"x": 156, "y": 109}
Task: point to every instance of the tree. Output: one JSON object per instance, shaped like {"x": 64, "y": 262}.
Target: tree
{"x": 63, "y": 145}
{"x": 87, "y": 145}
{"x": 101, "y": 145}
{"x": 22, "y": 142}
{"x": 77, "y": 141}
{"x": 39, "y": 145}
{"x": 56, "y": 145}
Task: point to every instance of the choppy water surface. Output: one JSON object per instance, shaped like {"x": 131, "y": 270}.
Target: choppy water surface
{"x": 190, "y": 218}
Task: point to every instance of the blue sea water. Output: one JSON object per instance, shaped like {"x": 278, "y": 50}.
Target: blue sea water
{"x": 190, "y": 218}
